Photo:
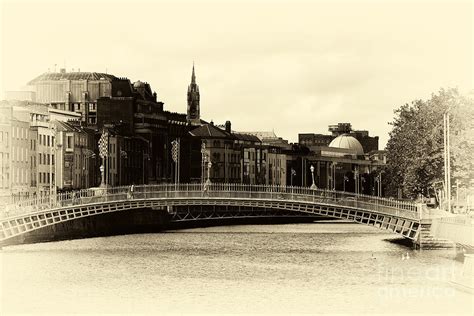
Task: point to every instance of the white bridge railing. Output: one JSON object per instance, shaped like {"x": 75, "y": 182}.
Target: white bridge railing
{"x": 213, "y": 191}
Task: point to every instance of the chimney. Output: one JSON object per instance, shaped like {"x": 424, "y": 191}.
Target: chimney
{"x": 227, "y": 127}
{"x": 62, "y": 70}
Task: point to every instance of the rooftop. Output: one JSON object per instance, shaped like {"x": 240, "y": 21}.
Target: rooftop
{"x": 47, "y": 76}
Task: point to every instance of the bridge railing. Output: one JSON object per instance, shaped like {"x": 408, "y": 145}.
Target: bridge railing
{"x": 216, "y": 190}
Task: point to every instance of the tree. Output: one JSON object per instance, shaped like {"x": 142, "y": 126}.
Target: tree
{"x": 415, "y": 148}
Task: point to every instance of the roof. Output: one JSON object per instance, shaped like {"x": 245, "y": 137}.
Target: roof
{"x": 209, "y": 130}
{"x": 247, "y": 137}
{"x": 72, "y": 76}
{"x": 263, "y": 135}
{"x": 345, "y": 141}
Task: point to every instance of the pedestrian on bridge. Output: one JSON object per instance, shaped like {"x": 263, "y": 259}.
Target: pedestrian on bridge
{"x": 131, "y": 191}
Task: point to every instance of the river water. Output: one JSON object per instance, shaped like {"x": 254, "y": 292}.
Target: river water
{"x": 256, "y": 269}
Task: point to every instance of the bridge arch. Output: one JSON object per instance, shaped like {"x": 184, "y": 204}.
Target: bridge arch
{"x": 29, "y": 215}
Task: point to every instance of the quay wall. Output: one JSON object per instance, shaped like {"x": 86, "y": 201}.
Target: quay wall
{"x": 458, "y": 229}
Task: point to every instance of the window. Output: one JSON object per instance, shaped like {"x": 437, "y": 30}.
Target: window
{"x": 47, "y": 140}
{"x": 69, "y": 142}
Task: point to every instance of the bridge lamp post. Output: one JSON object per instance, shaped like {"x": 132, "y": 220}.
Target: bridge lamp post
{"x": 313, "y": 186}
{"x": 102, "y": 183}
{"x": 209, "y": 165}
{"x": 203, "y": 161}
{"x": 293, "y": 173}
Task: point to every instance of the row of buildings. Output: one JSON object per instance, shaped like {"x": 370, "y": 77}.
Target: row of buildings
{"x": 74, "y": 130}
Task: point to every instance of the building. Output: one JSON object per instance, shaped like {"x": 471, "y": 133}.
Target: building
{"x": 342, "y": 166}
{"x": 276, "y": 162}
{"x": 73, "y": 91}
{"x": 5, "y": 149}
{"x": 20, "y": 152}
{"x": 368, "y": 143}
{"x": 271, "y": 139}
{"x": 210, "y": 144}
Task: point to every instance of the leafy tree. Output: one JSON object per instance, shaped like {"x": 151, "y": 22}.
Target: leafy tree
{"x": 416, "y": 145}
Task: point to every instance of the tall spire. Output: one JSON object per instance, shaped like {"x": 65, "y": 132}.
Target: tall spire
{"x": 193, "y": 115}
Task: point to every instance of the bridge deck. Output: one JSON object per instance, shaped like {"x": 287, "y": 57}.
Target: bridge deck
{"x": 27, "y": 215}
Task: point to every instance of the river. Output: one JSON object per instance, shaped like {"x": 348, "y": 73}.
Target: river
{"x": 325, "y": 267}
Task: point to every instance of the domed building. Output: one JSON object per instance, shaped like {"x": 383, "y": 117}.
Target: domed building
{"x": 341, "y": 165}
{"x": 345, "y": 141}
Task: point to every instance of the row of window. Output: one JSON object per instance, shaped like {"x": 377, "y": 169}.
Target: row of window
{"x": 44, "y": 159}
{"x": 19, "y": 154}
{"x": 4, "y": 178}
{"x": 4, "y": 161}
{"x": 46, "y": 140}
{"x": 45, "y": 177}
{"x": 4, "y": 138}
{"x": 80, "y": 106}
{"x": 19, "y": 132}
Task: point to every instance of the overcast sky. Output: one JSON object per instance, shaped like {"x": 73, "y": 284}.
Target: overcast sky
{"x": 294, "y": 67}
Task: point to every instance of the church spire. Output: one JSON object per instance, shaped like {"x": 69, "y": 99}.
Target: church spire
{"x": 193, "y": 115}
{"x": 193, "y": 76}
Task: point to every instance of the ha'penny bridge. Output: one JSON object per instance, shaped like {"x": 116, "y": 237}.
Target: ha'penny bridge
{"x": 197, "y": 202}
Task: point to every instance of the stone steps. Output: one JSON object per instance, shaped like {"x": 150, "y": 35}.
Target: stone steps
{"x": 428, "y": 241}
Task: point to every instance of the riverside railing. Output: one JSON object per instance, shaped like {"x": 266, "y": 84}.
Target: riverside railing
{"x": 212, "y": 191}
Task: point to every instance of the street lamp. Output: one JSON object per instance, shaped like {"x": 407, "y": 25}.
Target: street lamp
{"x": 53, "y": 173}
{"x": 313, "y": 186}
{"x": 447, "y": 162}
{"x": 209, "y": 165}
{"x": 356, "y": 179}
{"x": 203, "y": 161}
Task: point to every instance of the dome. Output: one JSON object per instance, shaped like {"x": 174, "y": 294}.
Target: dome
{"x": 138, "y": 84}
{"x": 347, "y": 142}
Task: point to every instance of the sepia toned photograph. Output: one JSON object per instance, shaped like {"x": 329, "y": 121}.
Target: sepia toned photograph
{"x": 244, "y": 157}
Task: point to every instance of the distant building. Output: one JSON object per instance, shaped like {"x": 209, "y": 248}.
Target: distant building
{"x": 73, "y": 91}
{"x": 5, "y": 148}
{"x": 342, "y": 166}
{"x": 368, "y": 143}
{"x": 221, "y": 149}
{"x": 271, "y": 139}
{"x": 193, "y": 112}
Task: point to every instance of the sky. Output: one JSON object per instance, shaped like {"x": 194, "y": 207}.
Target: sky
{"x": 288, "y": 66}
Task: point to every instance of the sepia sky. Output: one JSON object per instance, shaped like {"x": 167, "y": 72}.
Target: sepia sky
{"x": 291, "y": 66}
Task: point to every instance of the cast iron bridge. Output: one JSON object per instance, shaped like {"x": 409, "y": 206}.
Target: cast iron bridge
{"x": 194, "y": 202}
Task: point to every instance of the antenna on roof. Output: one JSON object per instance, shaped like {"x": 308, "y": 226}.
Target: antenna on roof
{"x": 106, "y": 70}
{"x": 55, "y": 67}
